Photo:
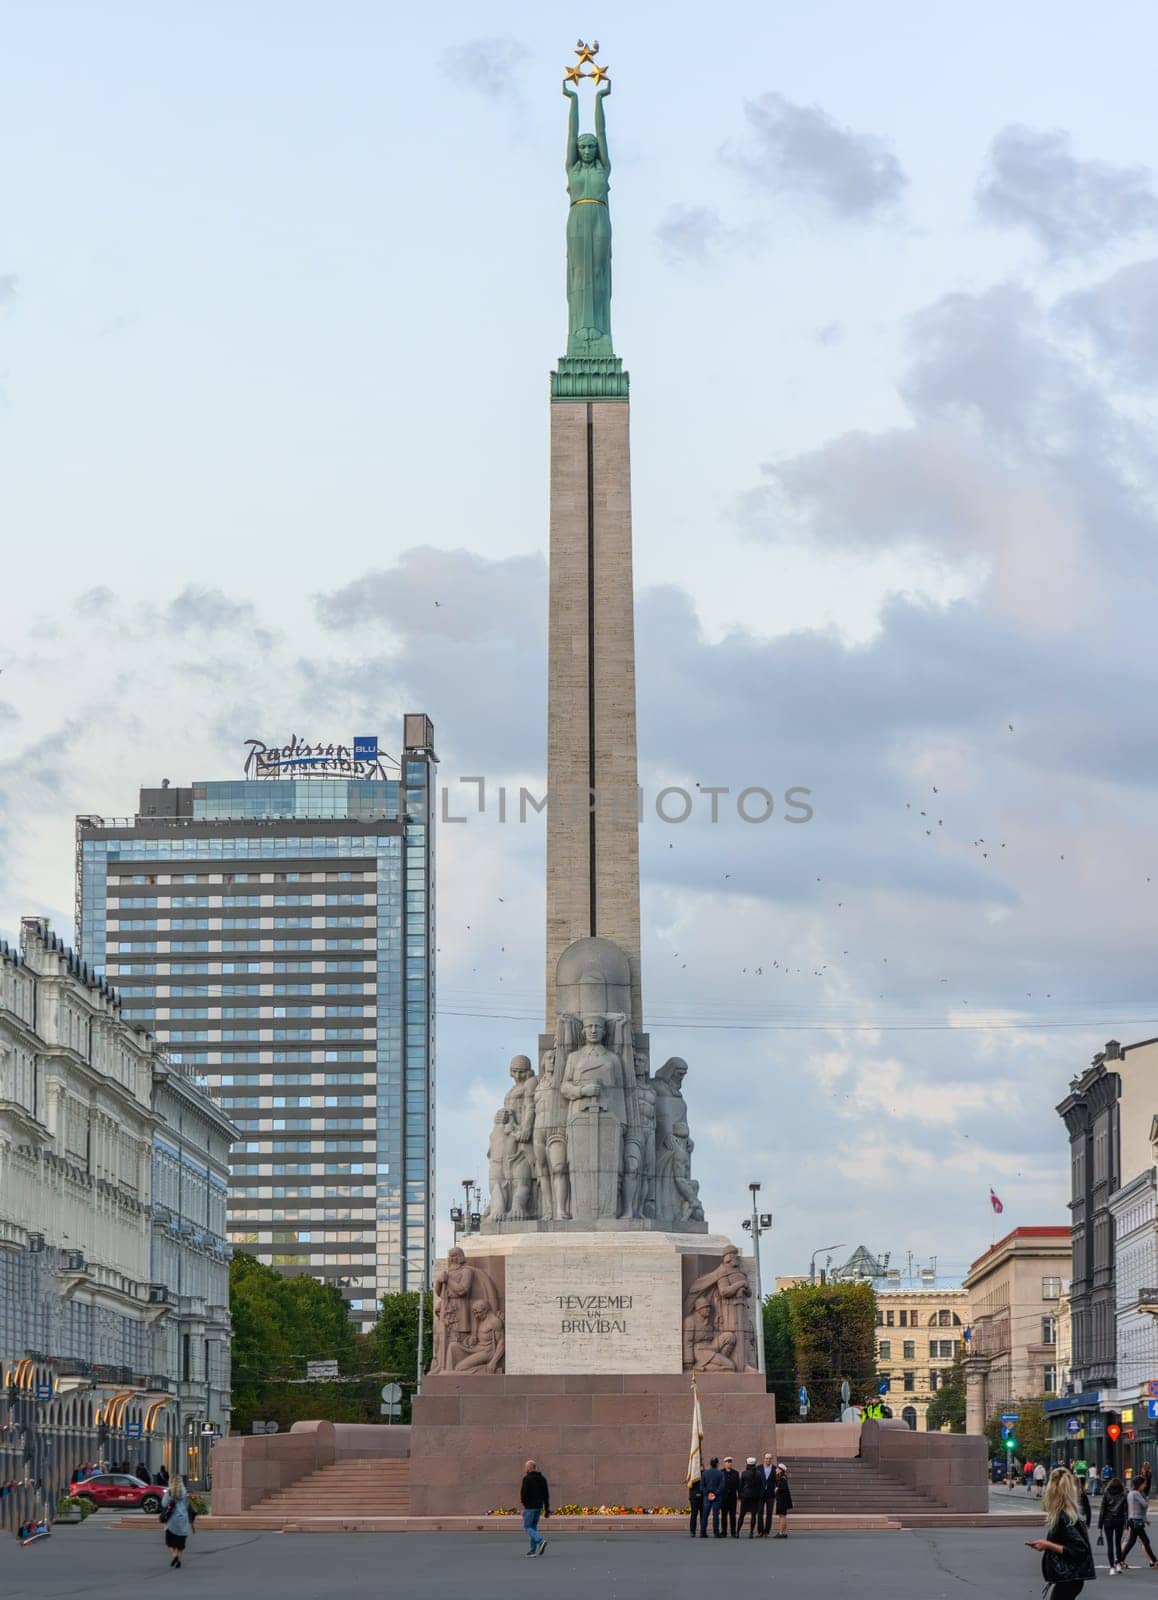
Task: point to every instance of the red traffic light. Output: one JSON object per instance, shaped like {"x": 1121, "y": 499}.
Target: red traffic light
{"x": 1113, "y": 1432}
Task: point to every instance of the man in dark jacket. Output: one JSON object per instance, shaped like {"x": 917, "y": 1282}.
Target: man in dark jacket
{"x": 751, "y": 1493}
{"x": 696, "y": 1499}
{"x": 767, "y": 1471}
{"x": 729, "y": 1497}
{"x": 536, "y": 1502}
{"x": 712, "y": 1484}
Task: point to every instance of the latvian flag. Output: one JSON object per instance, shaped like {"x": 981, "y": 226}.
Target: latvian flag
{"x": 995, "y": 1203}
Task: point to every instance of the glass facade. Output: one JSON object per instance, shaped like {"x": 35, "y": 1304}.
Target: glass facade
{"x": 277, "y": 935}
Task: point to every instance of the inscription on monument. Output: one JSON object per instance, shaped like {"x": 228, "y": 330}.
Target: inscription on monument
{"x": 597, "y": 1313}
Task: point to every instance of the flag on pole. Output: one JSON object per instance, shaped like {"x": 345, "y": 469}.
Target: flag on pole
{"x": 696, "y": 1453}
{"x": 995, "y": 1203}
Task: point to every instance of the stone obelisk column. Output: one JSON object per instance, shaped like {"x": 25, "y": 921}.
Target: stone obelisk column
{"x": 592, "y": 821}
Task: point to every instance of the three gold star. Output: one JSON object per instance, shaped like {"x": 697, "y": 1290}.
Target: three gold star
{"x": 586, "y": 54}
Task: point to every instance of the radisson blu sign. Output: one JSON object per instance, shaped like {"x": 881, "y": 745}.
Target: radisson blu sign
{"x": 297, "y": 758}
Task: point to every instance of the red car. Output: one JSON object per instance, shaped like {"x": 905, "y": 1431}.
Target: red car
{"x": 117, "y": 1489}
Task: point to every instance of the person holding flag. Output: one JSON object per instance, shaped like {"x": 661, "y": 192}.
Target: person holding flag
{"x": 695, "y": 1459}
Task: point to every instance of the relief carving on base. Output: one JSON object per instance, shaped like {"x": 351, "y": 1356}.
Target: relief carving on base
{"x": 469, "y": 1326}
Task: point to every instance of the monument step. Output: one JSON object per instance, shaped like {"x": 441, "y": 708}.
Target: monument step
{"x": 366, "y": 1488}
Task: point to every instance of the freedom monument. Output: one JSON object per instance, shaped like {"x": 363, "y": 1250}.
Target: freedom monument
{"x": 567, "y": 1329}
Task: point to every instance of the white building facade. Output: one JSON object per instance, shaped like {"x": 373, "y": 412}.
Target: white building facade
{"x": 90, "y": 1336}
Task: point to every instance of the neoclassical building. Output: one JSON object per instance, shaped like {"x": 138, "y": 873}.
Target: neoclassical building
{"x": 114, "y": 1323}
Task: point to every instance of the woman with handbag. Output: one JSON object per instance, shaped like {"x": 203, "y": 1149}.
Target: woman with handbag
{"x": 1112, "y": 1522}
{"x": 781, "y": 1501}
{"x": 177, "y": 1516}
{"x": 1137, "y": 1508}
{"x": 1066, "y": 1558}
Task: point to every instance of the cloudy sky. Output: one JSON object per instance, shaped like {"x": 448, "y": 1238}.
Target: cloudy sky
{"x": 280, "y": 288}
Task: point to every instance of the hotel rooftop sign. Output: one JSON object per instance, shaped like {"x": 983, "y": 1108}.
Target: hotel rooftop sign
{"x": 299, "y": 759}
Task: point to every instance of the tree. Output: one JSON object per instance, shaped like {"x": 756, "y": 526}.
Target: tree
{"x": 393, "y": 1341}
{"x": 280, "y": 1323}
{"x": 947, "y": 1407}
{"x": 780, "y": 1356}
{"x": 1031, "y": 1430}
{"x": 815, "y": 1337}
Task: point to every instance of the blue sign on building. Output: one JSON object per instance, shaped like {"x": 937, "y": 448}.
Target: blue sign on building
{"x": 44, "y": 1391}
{"x": 1073, "y": 1424}
{"x": 132, "y": 1430}
{"x": 1152, "y": 1409}
{"x": 365, "y": 747}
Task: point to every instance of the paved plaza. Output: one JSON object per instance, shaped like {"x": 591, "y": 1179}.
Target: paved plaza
{"x": 98, "y": 1561}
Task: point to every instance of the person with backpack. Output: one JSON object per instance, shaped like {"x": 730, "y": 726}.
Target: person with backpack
{"x": 1137, "y": 1509}
{"x": 178, "y": 1518}
{"x": 1112, "y": 1522}
{"x": 1066, "y": 1558}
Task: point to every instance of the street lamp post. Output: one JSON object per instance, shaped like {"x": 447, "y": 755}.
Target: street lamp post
{"x": 818, "y": 1252}
{"x": 758, "y": 1223}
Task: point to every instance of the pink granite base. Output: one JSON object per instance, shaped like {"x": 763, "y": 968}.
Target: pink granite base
{"x": 600, "y": 1439}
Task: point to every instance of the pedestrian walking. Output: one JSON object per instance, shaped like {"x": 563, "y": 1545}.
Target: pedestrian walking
{"x": 178, "y": 1518}
{"x": 535, "y": 1497}
{"x": 1112, "y": 1522}
{"x": 1066, "y": 1558}
{"x": 781, "y": 1501}
{"x": 141, "y": 1471}
{"x": 1143, "y": 1482}
{"x": 1027, "y": 1474}
{"x": 1039, "y": 1478}
{"x": 767, "y": 1470}
{"x": 712, "y": 1484}
{"x": 1092, "y": 1479}
{"x": 729, "y": 1498}
{"x": 1137, "y": 1510}
{"x": 751, "y": 1494}
{"x": 696, "y": 1496}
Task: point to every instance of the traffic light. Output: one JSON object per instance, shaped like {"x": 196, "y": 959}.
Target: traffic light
{"x": 1010, "y": 1442}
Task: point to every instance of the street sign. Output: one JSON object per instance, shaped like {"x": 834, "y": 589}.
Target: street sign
{"x": 132, "y": 1430}
{"x": 263, "y": 1427}
{"x": 883, "y": 1386}
{"x": 1152, "y": 1409}
{"x": 1152, "y": 1388}
{"x": 391, "y": 1393}
{"x": 845, "y": 1392}
{"x": 803, "y": 1395}
{"x": 44, "y": 1391}
{"x": 389, "y": 1409}
{"x": 1073, "y": 1424}
{"x": 1011, "y": 1416}
{"x": 319, "y": 1371}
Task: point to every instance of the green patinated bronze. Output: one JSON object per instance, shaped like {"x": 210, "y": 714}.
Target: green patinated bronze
{"x": 590, "y": 370}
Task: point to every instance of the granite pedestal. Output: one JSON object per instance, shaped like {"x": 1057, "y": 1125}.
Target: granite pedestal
{"x": 600, "y": 1438}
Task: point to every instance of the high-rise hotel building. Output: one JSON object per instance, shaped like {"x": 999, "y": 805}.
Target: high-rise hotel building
{"x": 277, "y": 934}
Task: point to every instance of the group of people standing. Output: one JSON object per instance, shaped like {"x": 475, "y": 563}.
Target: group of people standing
{"x": 1067, "y": 1561}
{"x": 730, "y": 1498}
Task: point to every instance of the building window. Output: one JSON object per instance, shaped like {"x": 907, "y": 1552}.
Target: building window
{"x": 885, "y": 1350}
{"x": 909, "y": 1382}
{"x": 1049, "y": 1330}
{"x": 888, "y": 1319}
{"x": 1049, "y": 1380}
{"x": 910, "y": 1350}
{"x": 1051, "y": 1288}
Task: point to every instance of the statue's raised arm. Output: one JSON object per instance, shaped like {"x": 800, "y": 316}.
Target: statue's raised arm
{"x": 572, "y": 154}
{"x": 601, "y": 94}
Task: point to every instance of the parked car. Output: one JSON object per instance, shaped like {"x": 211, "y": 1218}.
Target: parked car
{"x": 117, "y": 1489}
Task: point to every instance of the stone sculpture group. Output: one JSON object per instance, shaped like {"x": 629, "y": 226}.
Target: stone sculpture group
{"x": 598, "y": 1140}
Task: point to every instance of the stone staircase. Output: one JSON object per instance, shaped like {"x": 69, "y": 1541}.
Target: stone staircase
{"x": 836, "y": 1486}
{"x": 347, "y": 1489}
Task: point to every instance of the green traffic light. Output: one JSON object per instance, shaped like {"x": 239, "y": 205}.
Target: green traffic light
{"x": 1011, "y": 1444}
